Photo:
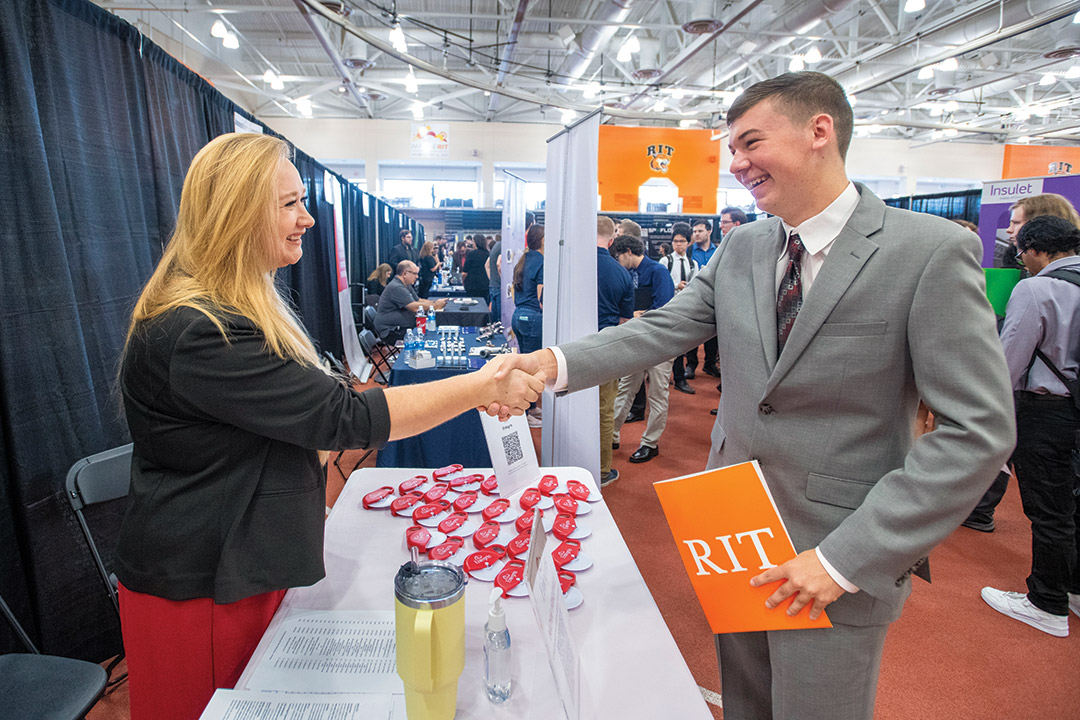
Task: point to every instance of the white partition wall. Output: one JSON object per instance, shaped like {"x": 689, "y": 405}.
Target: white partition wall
{"x": 513, "y": 242}
{"x": 571, "y": 434}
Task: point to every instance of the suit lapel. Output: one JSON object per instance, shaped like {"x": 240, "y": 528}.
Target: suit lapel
{"x": 766, "y": 251}
{"x": 849, "y": 253}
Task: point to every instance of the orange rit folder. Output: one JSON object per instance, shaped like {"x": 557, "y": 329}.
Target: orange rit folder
{"x": 728, "y": 530}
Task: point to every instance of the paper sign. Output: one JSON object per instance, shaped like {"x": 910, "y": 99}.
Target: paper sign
{"x": 728, "y": 530}
{"x": 513, "y": 456}
{"x": 252, "y": 705}
{"x": 546, "y": 598}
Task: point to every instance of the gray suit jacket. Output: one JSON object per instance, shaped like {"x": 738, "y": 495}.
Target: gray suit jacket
{"x": 898, "y": 312}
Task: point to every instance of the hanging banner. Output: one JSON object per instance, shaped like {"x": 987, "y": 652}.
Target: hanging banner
{"x": 513, "y": 243}
{"x": 571, "y": 434}
{"x": 354, "y": 354}
{"x": 686, "y": 160}
{"x": 1023, "y": 161}
{"x": 998, "y": 197}
{"x": 430, "y": 140}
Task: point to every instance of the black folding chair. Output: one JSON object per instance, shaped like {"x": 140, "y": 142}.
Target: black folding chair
{"x": 372, "y": 349}
{"x": 35, "y": 686}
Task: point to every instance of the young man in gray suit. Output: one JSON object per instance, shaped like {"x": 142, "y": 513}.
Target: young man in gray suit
{"x": 833, "y": 319}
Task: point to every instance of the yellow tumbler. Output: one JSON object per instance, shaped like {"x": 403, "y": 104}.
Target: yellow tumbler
{"x": 429, "y": 615}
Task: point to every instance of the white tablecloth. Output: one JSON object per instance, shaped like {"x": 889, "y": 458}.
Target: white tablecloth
{"x": 631, "y": 667}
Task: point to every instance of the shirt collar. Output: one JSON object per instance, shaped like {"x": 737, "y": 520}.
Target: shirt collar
{"x": 819, "y": 231}
{"x": 1060, "y": 263}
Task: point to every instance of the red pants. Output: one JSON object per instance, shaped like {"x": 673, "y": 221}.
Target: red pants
{"x": 179, "y": 652}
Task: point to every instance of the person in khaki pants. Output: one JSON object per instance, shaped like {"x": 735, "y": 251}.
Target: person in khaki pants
{"x": 614, "y": 304}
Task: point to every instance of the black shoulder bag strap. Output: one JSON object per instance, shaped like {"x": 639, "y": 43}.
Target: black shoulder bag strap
{"x": 1073, "y": 386}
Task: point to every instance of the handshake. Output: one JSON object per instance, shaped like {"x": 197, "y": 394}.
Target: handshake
{"x": 511, "y": 382}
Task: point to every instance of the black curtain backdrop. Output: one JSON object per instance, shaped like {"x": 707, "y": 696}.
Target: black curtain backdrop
{"x": 96, "y": 142}
{"x": 963, "y": 205}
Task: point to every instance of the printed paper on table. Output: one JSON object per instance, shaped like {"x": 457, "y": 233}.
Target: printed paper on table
{"x": 728, "y": 530}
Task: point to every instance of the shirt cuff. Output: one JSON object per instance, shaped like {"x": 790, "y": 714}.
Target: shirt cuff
{"x": 840, "y": 579}
{"x": 560, "y": 380}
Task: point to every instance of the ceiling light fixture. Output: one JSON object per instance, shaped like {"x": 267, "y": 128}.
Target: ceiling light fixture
{"x": 1076, "y": 19}
{"x": 935, "y": 110}
{"x": 1024, "y": 139}
{"x": 218, "y": 29}
{"x": 269, "y": 76}
{"x": 568, "y": 116}
{"x": 230, "y": 41}
{"x": 813, "y": 55}
{"x": 926, "y": 72}
{"x": 418, "y": 110}
{"x": 852, "y": 100}
{"x": 410, "y": 82}
{"x": 913, "y": 6}
{"x": 397, "y": 38}
{"x": 1021, "y": 114}
{"x": 951, "y": 106}
{"x": 1073, "y": 72}
{"x": 678, "y": 94}
{"x": 590, "y": 91}
{"x": 659, "y": 106}
{"x": 1047, "y": 79}
{"x": 686, "y": 123}
{"x": 303, "y": 105}
{"x": 796, "y": 64}
{"x": 951, "y": 132}
{"x": 948, "y": 65}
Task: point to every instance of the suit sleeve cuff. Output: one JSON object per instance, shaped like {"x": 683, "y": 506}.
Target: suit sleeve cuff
{"x": 560, "y": 377}
{"x": 840, "y": 579}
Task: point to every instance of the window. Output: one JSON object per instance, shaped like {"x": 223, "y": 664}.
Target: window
{"x": 430, "y": 186}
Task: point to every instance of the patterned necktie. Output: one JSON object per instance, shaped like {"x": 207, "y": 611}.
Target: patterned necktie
{"x": 682, "y": 269}
{"x": 789, "y": 297}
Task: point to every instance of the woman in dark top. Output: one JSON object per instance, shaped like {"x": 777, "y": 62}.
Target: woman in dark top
{"x": 429, "y": 265}
{"x": 229, "y": 411}
{"x": 376, "y": 281}
{"x": 528, "y": 324}
{"x": 475, "y": 270}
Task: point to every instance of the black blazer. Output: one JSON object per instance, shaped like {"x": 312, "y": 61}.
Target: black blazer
{"x": 227, "y": 493}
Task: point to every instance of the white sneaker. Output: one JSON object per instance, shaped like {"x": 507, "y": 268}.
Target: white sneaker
{"x": 1018, "y": 607}
{"x": 1074, "y": 603}
{"x": 534, "y": 422}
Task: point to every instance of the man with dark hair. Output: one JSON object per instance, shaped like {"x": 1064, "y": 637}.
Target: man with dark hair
{"x": 702, "y": 251}
{"x": 404, "y": 250}
{"x": 1041, "y": 335}
{"x": 398, "y": 303}
{"x": 833, "y": 315}
{"x": 650, "y": 280}
{"x": 731, "y": 218}
{"x": 682, "y": 269}
{"x": 614, "y": 305}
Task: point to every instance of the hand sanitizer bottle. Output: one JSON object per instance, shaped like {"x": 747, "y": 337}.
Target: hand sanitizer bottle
{"x": 497, "y": 651}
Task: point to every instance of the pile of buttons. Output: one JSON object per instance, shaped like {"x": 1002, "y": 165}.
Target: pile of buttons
{"x": 461, "y": 518}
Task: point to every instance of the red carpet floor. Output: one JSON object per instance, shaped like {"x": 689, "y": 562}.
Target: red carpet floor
{"x": 950, "y": 657}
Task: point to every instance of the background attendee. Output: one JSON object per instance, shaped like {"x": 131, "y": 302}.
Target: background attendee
{"x": 429, "y": 265}
{"x": 682, "y": 269}
{"x": 665, "y": 250}
{"x": 651, "y": 277}
{"x": 404, "y": 250}
{"x": 864, "y": 509}
{"x": 702, "y": 251}
{"x": 528, "y": 319}
{"x": 378, "y": 278}
{"x": 474, "y": 269}
{"x": 228, "y": 409}
{"x": 628, "y": 227}
{"x": 614, "y": 304}
{"x": 1042, "y": 327}
{"x": 731, "y": 218}
{"x": 494, "y": 267}
{"x": 399, "y": 302}
{"x": 459, "y": 255}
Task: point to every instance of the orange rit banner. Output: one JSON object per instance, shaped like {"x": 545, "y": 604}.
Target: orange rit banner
{"x": 1024, "y": 161}
{"x": 728, "y": 530}
{"x": 630, "y": 156}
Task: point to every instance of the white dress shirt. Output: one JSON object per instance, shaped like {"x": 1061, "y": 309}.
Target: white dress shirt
{"x": 817, "y": 235}
{"x": 678, "y": 263}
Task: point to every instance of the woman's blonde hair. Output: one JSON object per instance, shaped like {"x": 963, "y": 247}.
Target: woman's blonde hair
{"x": 217, "y": 259}
{"x": 380, "y": 273}
{"x": 428, "y": 248}
{"x": 1047, "y": 204}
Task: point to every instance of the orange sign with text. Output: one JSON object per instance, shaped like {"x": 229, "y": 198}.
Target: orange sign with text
{"x": 1023, "y": 161}
{"x": 630, "y": 156}
{"x": 728, "y": 530}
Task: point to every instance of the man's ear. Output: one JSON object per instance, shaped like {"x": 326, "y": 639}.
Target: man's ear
{"x": 823, "y": 131}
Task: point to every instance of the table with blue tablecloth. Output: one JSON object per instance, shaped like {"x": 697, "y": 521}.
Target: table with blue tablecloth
{"x": 460, "y": 440}
{"x": 462, "y": 312}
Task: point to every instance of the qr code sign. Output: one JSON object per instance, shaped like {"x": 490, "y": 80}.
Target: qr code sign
{"x": 512, "y": 448}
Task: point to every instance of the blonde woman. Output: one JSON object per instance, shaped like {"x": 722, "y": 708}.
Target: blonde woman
{"x": 429, "y": 265}
{"x": 376, "y": 281}
{"x": 228, "y": 409}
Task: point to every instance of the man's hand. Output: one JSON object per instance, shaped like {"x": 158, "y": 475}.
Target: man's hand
{"x": 508, "y": 389}
{"x": 540, "y": 363}
{"x": 440, "y": 303}
{"x": 681, "y": 285}
{"x": 807, "y": 580}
